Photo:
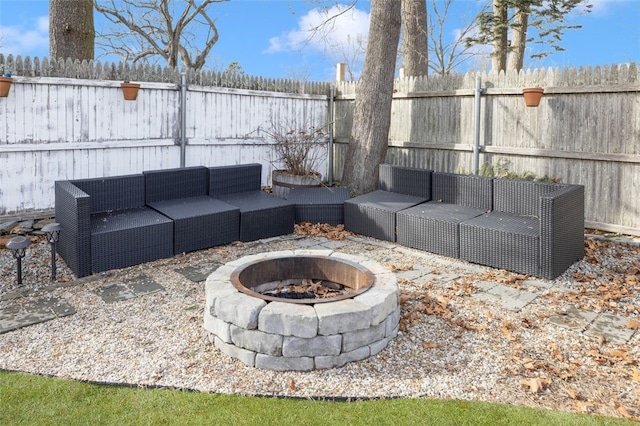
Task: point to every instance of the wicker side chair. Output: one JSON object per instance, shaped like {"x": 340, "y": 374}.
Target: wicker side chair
{"x": 261, "y": 215}
{"x": 106, "y": 225}
{"x": 374, "y": 214}
{"x": 434, "y": 226}
{"x": 200, "y": 221}
{"x": 535, "y": 228}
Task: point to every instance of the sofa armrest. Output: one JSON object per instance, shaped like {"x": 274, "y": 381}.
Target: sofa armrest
{"x": 73, "y": 213}
{"x": 561, "y": 215}
{"x": 405, "y": 180}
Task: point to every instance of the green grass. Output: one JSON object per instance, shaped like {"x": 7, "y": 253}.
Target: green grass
{"x": 34, "y": 400}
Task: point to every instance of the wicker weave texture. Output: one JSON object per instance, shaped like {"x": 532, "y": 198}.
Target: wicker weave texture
{"x": 374, "y": 214}
{"x": 489, "y": 241}
{"x": 200, "y": 222}
{"x": 114, "y": 193}
{"x": 520, "y": 197}
{"x": 464, "y": 190}
{"x": 232, "y": 179}
{"x": 73, "y": 213}
{"x": 319, "y": 205}
{"x": 434, "y": 226}
{"x": 261, "y": 215}
{"x": 170, "y": 184}
{"x": 562, "y": 229}
{"x": 405, "y": 180}
{"x": 129, "y": 237}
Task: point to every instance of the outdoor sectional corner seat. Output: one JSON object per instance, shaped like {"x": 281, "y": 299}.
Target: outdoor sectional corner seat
{"x": 261, "y": 215}
{"x": 533, "y": 228}
{"x": 106, "y": 225}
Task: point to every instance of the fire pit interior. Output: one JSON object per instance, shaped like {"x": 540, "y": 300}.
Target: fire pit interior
{"x": 302, "y": 279}
{"x": 301, "y": 310}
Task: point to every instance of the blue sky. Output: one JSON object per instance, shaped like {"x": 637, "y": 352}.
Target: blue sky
{"x": 270, "y": 38}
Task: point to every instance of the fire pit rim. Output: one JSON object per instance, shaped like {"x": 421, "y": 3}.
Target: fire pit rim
{"x": 367, "y": 274}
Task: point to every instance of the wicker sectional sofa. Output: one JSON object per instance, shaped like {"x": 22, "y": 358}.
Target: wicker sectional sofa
{"x": 120, "y": 221}
{"x": 533, "y": 228}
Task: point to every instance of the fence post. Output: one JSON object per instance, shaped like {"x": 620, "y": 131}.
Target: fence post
{"x": 183, "y": 118}
{"x": 476, "y": 125}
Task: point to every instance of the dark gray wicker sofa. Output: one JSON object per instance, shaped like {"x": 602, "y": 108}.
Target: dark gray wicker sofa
{"x": 533, "y": 228}
{"x": 200, "y": 221}
{"x": 261, "y": 215}
{"x": 374, "y": 214}
{"x": 106, "y": 225}
{"x": 120, "y": 221}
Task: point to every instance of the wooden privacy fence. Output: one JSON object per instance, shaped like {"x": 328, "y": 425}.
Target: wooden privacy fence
{"x": 54, "y": 128}
{"x": 66, "y": 120}
{"x": 585, "y": 131}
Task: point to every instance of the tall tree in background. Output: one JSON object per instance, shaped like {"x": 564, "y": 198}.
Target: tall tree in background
{"x": 547, "y": 17}
{"x": 372, "y": 110}
{"x": 71, "y": 30}
{"x": 148, "y": 30}
{"x": 414, "y": 46}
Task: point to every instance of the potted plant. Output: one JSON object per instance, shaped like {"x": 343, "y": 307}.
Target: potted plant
{"x": 299, "y": 150}
{"x": 5, "y": 84}
{"x": 532, "y": 96}
{"x": 130, "y": 90}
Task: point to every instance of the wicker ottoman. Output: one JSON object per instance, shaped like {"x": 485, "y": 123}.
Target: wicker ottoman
{"x": 319, "y": 205}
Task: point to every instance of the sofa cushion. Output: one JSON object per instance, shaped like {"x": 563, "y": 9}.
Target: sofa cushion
{"x": 434, "y": 226}
{"x": 374, "y": 214}
{"x": 502, "y": 240}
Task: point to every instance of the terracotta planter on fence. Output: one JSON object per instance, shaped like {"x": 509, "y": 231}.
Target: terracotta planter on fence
{"x": 130, "y": 90}
{"x": 5, "y": 85}
{"x": 532, "y": 96}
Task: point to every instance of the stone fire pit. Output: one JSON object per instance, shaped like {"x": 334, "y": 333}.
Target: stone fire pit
{"x": 301, "y": 334}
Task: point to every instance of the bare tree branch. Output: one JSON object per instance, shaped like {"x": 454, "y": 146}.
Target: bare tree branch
{"x": 154, "y": 30}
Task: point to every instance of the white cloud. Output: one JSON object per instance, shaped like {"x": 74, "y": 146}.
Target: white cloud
{"x": 324, "y": 30}
{"x": 24, "y": 40}
{"x": 602, "y": 7}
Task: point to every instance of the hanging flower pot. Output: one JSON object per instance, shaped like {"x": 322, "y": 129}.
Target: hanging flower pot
{"x": 532, "y": 96}
{"x": 5, "y": 85}
{"x": 130, "y": 90}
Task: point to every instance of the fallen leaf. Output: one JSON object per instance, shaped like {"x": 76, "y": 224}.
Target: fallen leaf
{"x": 623, "y": 411}
{"x": 291, "y": 384}
{"x": 572, "y": 394}
{"x": 508, "y": 334}
{"x": 536, "y": 384}
{"x": 430, "y": 345}
{"x": 633, "y": 324}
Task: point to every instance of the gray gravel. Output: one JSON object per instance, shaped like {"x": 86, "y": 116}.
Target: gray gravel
{"x": 451, "y": 344}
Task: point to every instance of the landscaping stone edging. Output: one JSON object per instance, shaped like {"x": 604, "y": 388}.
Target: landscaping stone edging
{"x": 285, "y": 336}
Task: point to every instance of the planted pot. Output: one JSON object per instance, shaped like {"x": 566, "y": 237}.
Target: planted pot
{"x": 532, "y": 96}
{"x": 5, "y": 86}
{"x": 282, "y": 181}
{"x": 130, "y": 90}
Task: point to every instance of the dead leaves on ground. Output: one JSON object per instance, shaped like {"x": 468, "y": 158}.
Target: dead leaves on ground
{"x": 321, "y": 230}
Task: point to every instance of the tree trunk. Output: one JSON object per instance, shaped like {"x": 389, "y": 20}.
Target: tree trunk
{"x": 519, "y": 38}
{"x": 415, "y": 59}
{"x": 500, "y": 42}
{"x": 71, "y": 29}
{"x": 372, "y": 111}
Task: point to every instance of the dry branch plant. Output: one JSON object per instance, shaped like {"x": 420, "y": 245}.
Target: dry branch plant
{"x": 299, "y": 148}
